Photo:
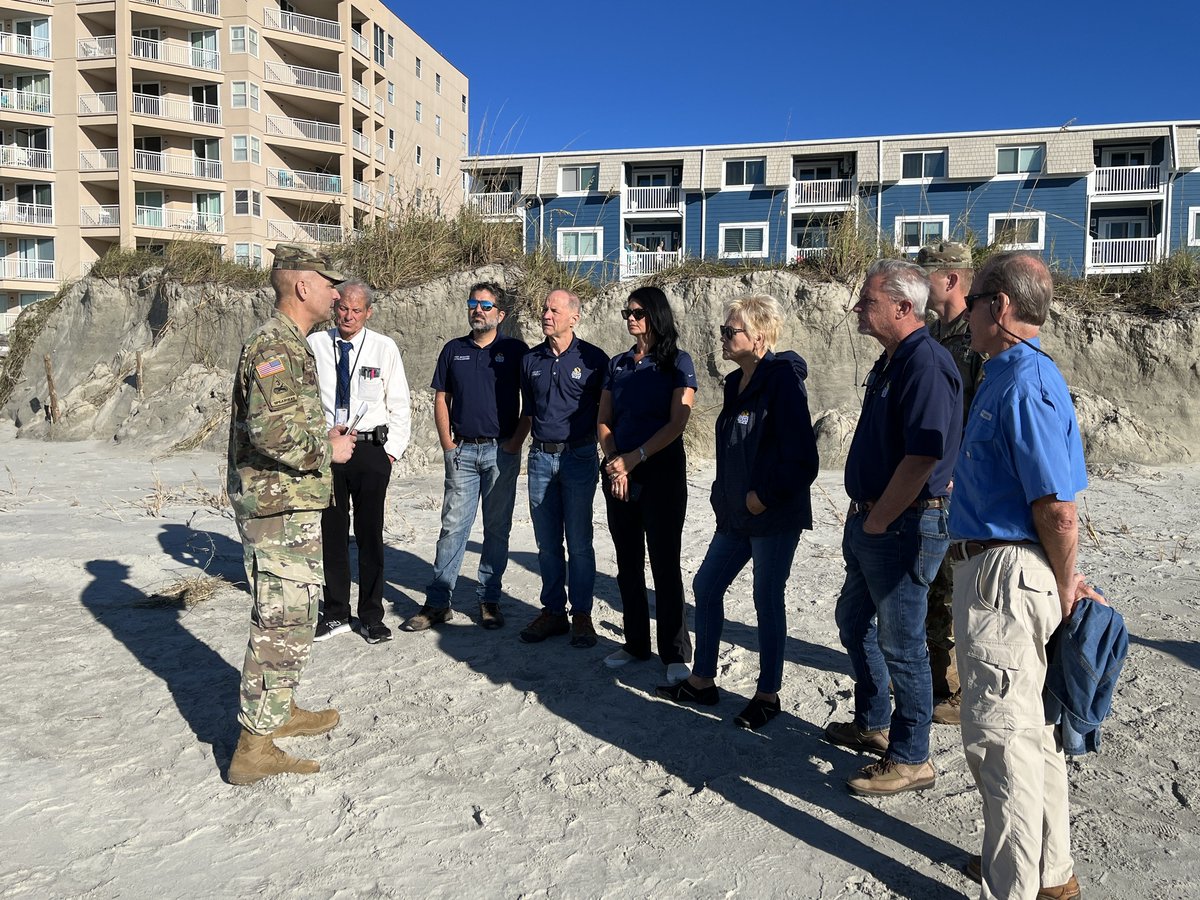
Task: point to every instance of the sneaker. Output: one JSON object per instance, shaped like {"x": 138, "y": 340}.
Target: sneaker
{"x": 427, "y": 617}
{"x": 621, "y": 658}
{"x": 377, "y": 634}
{"x": 684, "y": 692}
{"x": 327, "y": 628}
{"x": 1069, "y": 891}
{"x": 547, "y": 624}
{"x": 887, "y": 777}
{"x": 676, "y": 672}
{"x": 949, "y": 711}
{"x": 583, "y": 634}
{"x": 490, "y": 616}
{"x": 757, "y": 714}
{"x": 848, "y": 734}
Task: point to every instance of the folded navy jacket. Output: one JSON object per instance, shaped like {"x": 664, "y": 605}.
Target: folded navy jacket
{"x": 1084, "y": 656}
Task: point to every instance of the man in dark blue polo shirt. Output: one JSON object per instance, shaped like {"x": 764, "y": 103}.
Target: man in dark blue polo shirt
{"x": 476, "y": 408}
{"x": 897, "y": 475}
{"x": 561, "y": 380}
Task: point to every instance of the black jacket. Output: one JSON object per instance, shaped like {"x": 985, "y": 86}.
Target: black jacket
{"x": 765, "y": 443}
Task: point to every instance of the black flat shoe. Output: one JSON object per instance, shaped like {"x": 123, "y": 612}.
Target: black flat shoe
{"x": 757, "y": 714}
{"x": 683, "y": 692}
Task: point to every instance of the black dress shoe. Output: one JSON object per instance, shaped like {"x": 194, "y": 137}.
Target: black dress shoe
{"x": 378, "y": 633}
{"x": 684, "y": 692}
{"x": 757, "y": 714}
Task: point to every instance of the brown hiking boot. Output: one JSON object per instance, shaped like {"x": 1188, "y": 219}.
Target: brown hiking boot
{"x": 546, "y": 625}
{"x": 583, "y": 634}
{"x": 257, "y": 757}
{"x": 848, "y": 734}
{"x": 426, "y": 617}
{"x": 1069, "y": 891}
{"x": 949, "y": 711}
{"x": 305, "y": 723}
{"x": 887, "y": 777}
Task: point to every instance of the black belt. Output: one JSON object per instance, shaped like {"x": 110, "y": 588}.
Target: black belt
{"x": 549, "y": 447}
{"x": 372, "y": 438}
{"x": 960, "y": 551}
{"x": 864, "y": 506}
{"x": 477, "y": 440}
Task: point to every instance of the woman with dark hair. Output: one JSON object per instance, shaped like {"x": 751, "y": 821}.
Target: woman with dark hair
{"x": 644, "y": 407}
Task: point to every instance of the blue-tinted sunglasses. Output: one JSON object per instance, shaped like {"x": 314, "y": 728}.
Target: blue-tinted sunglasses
{"x": 485, "y": 305}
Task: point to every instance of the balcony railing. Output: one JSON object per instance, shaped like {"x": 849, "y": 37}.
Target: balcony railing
{"x": 359, "y": 141}
{"x": 360, "y": 43}
{"x": 26, "y": 158}
{"x": 176, "y": 54}
{"x": 204, "y": 7}
{"x": 505, "y": 204}
{"x": 299, "y": 76}
{"x": 799, "y": 253}
{"x": 97, "y": 104}
{"x": 1124, "y": 252}
{"x": 380, "y": 199}
{"x": 304, "y": 129}
{"x": 639, "y": 263}
{"x": 317, "y": 182}
{"x": 177, "y": 164}
{"x": 96, "y": 47}
{"x": 24, "y": 101}
{"x": 176, "y": 110}
{"x": 24, "y": 45}
{"x": 178, "y": 219}
{"x": 362, "y": 191}
{"x": 360, "y": 93}
{"x": 643, "y": 199}
{"x": 1127, "y": 179}
{"x": 16, "y": 213}
{"x": 303, "y": 232}
{"x": 380, "y": 151}
{"x": 8, "y": 320}
{"x": 275, "y": 18}
{"x": 17, "y": 269}
{"x": 379, "y": 105}
{"x": 99, "y": 216}
{"x": 97, "y": 160}
{"x": 823, "y": 192}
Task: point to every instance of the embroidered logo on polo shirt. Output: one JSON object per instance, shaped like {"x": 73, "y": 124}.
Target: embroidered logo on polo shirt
{"x": 577, "y": 373}
{"x": 535, "y": 373}
{"x": 744, "y": 417}
{"x": 500, "y": 357}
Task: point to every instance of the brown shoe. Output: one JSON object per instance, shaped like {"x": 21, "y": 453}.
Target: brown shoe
{"x": 426, "y": 617}
{"x": 490, "y": 616}
{"x": 546, "y": 625}
{"x": 1069, "y": 891}
{"x": 582, "y": 632}
{"x": 887, "y": 777}
{"x": 848, "y": 734}
{"x": 305, "y": 723}
{"x": 257, "y": 757}
{"x": 949, "y": 711}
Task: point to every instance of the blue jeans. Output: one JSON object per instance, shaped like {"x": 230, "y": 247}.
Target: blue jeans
{"x": 562, "y": 488}
{"x": 881, "y": 620}
{"x": 474, "y": 472}
{"x": 727, "y": 555}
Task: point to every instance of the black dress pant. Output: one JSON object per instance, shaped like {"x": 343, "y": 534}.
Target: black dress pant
{"x": 360, "y": 484}
{"x": 653, "y": 521}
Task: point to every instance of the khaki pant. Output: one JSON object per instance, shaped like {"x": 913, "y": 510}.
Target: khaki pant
{"x": 1005, "y": 609}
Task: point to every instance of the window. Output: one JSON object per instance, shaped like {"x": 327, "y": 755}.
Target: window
{"x": 464, "y": 102}
{"x": 391, "y": 47}
{"x": 746, "y": 240}
{"x": 248, "y": 255}
{"x": 744, "y": 172}
{"x": 1018, "y": 231}
{"x": 241, "y": 147}
{"x": 923, "y": 164}
{"x": 391, "y": 138}
{"x": 243, "y": 40}
{"x": 255, "y": 150}
{"x": 914, "y": 232}
{"x": 1194, "y": 226}
{"x": 1020, "y": 160}
{"x": 578, "y": 179}
{"x": 437, "y": 125}
{"x": 581, "y": 244}
{"x": 380, "y": 52}
{"x": 253, "y": 37}
{"x": 240, "y": 91}
{"x": 418, "y": 110}
{"x": 247, "y": 203}
{"x": 437, "y": 84}
{"x": 463, "y": 142}
{"x": 418, "y": 67}
{"x": 1124, "y": 228}
{"x": 437, "y": 166}
{"x": 391, "y": 93}
{"x": 418, "y": 154}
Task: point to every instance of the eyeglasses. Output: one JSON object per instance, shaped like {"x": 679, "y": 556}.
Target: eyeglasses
{"x": 638, "y": 314}
{"x": 485, "y": 305}
{"x": 970, "y": 299}
{"x": 727, "y": 333}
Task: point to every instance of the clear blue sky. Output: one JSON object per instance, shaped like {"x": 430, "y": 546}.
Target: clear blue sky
{"x": 554, "y": 76}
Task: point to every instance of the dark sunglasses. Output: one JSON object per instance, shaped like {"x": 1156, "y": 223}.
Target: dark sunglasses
{"x": 727, "y": 333}
{"x": 638, "y": 314}
{"x": 485, "y": 305}
{"x": 970, "y": 299}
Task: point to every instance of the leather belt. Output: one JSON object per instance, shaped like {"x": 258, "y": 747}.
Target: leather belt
{"x": 475, "y": 440}
{"x": 550, "y": 447}
{"x": 960, "y": 551}
{"x": 864, "y": 506}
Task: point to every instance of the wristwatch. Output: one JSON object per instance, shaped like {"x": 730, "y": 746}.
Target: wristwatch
{"x": 642, "y": 454}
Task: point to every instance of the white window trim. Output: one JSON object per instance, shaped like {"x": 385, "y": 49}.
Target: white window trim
{"x": 1017, "y": 176}
{"x": 566, "y": 193}
{"x": 1040, "y": 244}
{"x": 925, "y": 151}
{"x": 766, "y": 248}
{"x": 245, "y": 39}
{"x": 897, "y": 230}
{"x": 742, "y": 159}
{"x": 597, "y": 231}
{"x": 1128, "y": 220}
{"x": 1193, "y": 232}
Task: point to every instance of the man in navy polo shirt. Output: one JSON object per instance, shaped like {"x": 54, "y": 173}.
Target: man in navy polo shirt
{"x": 476, "y": 408}
{"x": 897, "y": 475}
{"x": 561, "y": 380}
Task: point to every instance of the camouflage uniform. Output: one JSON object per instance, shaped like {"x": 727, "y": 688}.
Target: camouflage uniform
{"x": 279, "y": 482}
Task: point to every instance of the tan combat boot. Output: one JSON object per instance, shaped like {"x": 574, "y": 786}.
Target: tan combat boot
{"x": 257, "y": 757}
{"x": 306, "y": 723}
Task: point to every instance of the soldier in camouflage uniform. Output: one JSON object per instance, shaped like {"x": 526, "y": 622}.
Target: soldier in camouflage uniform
{"x": 948, "y": 265}
{"x": 279, "y": 482}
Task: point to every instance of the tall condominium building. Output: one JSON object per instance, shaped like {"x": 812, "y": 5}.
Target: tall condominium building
{"x": 133, "y": 123}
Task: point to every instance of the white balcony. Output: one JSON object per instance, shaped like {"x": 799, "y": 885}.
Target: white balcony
{"x": 380, "y": 199}
{"x": 15, "y": 268}
{"x": 299, "y": 76}
{"x": 1126, "y": 180}
{"x": 176, "y": 54}
{"x": 316, "y": 182}
{"x": 179, "y": 164}
{"x": 275, "y": 18}
{"x": 96, "y": 47}
{"x": 502, "y": 206}
{"x": 97, "y": 160}
{"x": 24, "y": 101}
{"x": 637, "y": 263}
{"x": 362, "y": 191}
{"x": 360, "y": 93}
{"x": 25, "y": 158}
{"x": 359, "y": 142}
{"x": 15, "y": 213}
{"x": 203, "y": 7}
{"x": 176, "y": 110}
{"x": 823, "y": 192}
{"x": 24, "y": 45}
{"x": 1117, "y": 255}
{"x": 8, "y": 321}
{"x": 98, "y": 104}
{"x": 303, "y": 232}
{"x": 99, "y": 216}
{"x": 379, "y": 105}
{"x": 380, "y": 151}
{"x": 795, "y": 254}
{"x": 360, "y": 43}
{"x": 304, "y": 129}
{"x": 652, "y": 199}
{"x": 178, "y": 220}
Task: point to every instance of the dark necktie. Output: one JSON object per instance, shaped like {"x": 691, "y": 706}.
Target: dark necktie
{"x": 343, "y": 376}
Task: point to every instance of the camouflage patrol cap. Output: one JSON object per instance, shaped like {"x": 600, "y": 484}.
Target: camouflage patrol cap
{"x": 944, "y": 255}
{"x": 297, "y": 256}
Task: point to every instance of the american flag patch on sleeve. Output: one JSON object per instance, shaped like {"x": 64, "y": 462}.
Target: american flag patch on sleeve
{"x": 272, "y": 366}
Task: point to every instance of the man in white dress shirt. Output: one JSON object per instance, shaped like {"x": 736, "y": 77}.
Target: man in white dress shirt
{"x": 359, "y": 368}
